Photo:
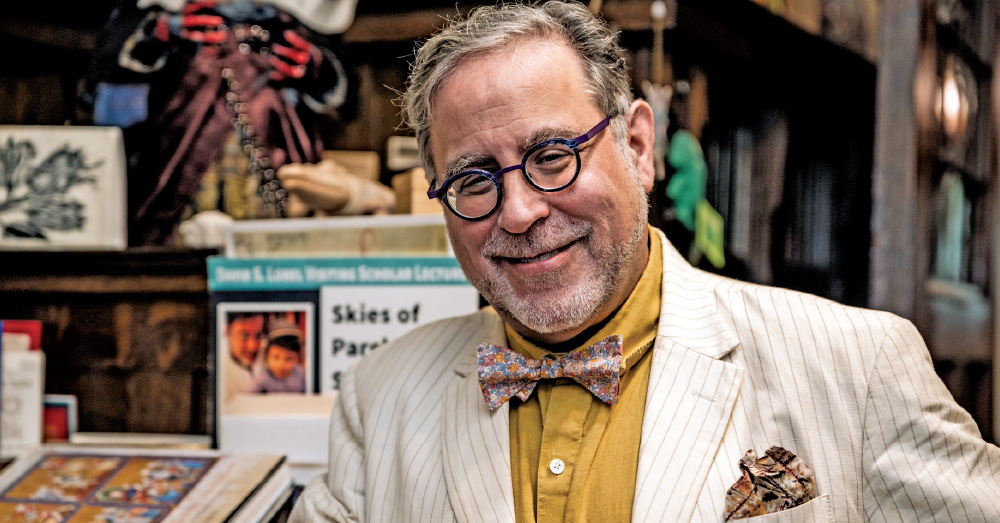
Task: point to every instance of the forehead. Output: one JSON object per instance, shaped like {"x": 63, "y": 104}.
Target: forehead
{"x": 277, "y": 350}
{"x": 249, "y": 323}
{"x": 501, "y": 98}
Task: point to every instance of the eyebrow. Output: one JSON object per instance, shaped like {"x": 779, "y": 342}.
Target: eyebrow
{"x": 466, "y": 162}
{"x": 478, "y": 161}
{"x": 541, "y": 135}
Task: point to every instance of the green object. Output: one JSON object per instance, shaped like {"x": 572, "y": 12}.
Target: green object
{"x": 708, "y": 234}
{"x": 687, "y": 186}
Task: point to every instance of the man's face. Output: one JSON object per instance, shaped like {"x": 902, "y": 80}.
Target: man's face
{"x": 552, "y": 264}
{"x": 281, "y": 361}
{"x": 244, "y": 338}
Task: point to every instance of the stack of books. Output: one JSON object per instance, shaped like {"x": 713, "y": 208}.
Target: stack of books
{"x": 70, "y": 484}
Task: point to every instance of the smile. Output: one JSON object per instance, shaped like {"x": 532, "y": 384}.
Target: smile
{"x": 541, "y": 257}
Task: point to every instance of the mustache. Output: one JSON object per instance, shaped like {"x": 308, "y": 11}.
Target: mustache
{"x": 540, "y": 238}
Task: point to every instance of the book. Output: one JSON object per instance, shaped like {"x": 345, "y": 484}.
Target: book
{"x": 31, "y": 328}
{"x": 353, "y": 236}
{"x": 22, "y": 383}
{"x": 62, "y": 188}
{"x": 65, "y": 484}
{"x": 59, "y": 418}
{"x": 141, "y": 440}
{"x": 15, "y": 341}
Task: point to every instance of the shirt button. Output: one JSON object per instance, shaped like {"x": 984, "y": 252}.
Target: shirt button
{"x": 557, "y": 466}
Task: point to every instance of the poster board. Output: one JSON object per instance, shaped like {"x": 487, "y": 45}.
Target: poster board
{"x": 351, "y": 306}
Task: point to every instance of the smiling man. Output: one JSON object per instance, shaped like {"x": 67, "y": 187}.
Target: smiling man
{"x": 550, "y": 263}
{"x": 609, "y": 380}
{"x": 243, "y": 338}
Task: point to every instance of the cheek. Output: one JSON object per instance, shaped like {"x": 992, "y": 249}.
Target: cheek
{"x": 610, "y": 195}
{"x": 467, "y": 240}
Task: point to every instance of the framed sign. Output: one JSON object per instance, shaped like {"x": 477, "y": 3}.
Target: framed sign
{"x": 62, "y": 188}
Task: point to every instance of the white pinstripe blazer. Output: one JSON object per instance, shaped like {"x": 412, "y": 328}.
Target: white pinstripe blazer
{"x": 736, "y": 366}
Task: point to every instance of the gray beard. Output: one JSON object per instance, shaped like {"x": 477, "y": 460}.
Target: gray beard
{"x": 579, "y": 306}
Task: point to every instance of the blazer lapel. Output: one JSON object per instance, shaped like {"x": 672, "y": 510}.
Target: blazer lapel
{"x": 690, "y": 397}
{"x": 476, "y": 444}
{"x": 688, "y": 406}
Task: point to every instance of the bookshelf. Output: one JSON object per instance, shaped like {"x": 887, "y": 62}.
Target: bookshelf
{"x": 126, "y": 332}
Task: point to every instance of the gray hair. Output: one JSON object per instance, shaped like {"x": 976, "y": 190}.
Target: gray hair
{"x": 490, "y": 28}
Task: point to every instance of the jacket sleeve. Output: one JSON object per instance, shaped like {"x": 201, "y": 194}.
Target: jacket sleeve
{"x": 338, "y": 495}
{"x": 923, "y": 456}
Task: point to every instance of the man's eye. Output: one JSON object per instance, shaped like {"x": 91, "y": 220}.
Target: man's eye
{"x": 554, "y": 160}
{"x": 551, "y": 154}
{"x": 474, "y": 185}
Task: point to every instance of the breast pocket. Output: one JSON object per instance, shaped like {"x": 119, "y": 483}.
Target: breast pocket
{"x": 814, "y": 511}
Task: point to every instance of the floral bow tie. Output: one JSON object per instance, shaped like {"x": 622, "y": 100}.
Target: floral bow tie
{"x": 504, "y": 373}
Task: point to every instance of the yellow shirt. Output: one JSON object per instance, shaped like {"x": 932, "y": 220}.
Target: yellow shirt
{"x": 598, "y": 444}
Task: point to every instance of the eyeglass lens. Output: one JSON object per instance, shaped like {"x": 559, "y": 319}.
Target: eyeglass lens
{"x": 550, "y": 167}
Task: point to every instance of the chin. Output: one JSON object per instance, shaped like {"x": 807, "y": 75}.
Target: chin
{"x": 560, "y": 310}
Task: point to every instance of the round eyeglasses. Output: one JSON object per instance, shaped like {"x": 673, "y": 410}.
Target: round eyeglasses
{"x": 548, "y": 166}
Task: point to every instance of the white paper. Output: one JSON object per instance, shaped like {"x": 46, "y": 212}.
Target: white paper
{"x": 295, "y": 425}
{"x": 356, "y": 319}
{"x": 23, "y": 383}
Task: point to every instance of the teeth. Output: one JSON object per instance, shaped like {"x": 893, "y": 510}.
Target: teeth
{"x": 543, "y": 256}
{"x": 537, "y": 258}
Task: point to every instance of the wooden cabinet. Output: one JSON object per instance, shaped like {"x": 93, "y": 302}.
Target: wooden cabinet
{"x": 127, "y": 333}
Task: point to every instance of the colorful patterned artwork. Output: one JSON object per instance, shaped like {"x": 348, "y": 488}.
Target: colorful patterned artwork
{"x": 152, "y": 481}
{"x": 64, "y": 478}
{"x": 33, "y": 512}
{"x": 70, "y": 488}
{"x": 91, "y": 514}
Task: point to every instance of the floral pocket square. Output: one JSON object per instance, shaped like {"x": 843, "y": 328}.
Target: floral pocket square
{"x": 778, "y": 481}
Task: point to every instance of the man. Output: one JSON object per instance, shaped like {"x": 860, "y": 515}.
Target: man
{"x": 839, "y": 408}
{"x": 244, "y": 332}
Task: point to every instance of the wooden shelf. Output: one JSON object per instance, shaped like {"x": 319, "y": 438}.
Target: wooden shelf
{"x": 135, "y": 271}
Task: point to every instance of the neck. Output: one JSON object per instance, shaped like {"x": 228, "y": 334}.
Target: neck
{"x": 577, "y": 340}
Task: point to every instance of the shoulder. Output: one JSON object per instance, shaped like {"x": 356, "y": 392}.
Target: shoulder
{"x": 762, "y": 307}
{"x": 748, "y": 308}
{"x": 782, "y": 328}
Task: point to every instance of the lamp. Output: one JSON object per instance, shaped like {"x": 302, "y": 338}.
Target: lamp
{"x": 954, "y": 103}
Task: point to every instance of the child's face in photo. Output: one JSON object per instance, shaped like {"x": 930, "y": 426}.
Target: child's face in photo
{"x": 281, "y": 361}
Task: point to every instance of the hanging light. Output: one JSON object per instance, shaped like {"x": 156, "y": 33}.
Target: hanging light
{"x": 952, "y": 103}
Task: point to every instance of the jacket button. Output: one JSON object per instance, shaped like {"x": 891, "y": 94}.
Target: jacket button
{"x": 557, "y": 466}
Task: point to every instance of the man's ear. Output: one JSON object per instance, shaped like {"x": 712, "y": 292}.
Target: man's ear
{"x": 642, "y": 139}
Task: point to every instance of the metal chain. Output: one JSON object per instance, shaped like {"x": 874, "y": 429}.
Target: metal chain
{"x": 273, "y": 197}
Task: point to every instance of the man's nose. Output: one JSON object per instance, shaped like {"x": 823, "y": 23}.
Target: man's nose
{"x": 522, "y": 204}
